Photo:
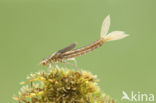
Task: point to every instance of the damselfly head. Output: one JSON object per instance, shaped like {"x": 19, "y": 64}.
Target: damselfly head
{"x": 44, "y": 62}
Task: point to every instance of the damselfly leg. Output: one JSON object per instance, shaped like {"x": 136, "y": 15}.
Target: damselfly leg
{"x": 71, "y": 64}
{"x": 74, "y": 60}
{"x": 53, "y": 65}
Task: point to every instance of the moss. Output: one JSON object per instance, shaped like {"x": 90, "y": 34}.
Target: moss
{"x": 61, "y": 86}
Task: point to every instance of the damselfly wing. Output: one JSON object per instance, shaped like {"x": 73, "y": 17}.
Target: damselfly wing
{"x": 68, "y": 48}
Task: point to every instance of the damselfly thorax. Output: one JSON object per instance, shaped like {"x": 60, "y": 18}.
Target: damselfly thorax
{"x": 68, "y": 52}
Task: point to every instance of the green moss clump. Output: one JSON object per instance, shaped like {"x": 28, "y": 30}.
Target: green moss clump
{"x": 61, "y": 86}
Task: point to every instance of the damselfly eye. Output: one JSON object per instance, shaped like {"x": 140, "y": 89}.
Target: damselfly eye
{"x": 43, "y": 63}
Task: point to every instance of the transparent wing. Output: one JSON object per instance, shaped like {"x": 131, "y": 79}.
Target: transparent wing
{"x": 68, "y": 48}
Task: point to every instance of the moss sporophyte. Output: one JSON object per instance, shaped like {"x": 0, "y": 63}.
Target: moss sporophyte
{"x": 62, "y": 85}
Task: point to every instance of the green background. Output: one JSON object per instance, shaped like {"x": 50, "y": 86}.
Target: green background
{"x": 33, "y": 29}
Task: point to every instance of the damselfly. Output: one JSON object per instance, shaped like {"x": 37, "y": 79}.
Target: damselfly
{"x": 68, "y": 52}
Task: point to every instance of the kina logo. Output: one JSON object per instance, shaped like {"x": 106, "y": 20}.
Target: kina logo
{"x": 137, "y": 96}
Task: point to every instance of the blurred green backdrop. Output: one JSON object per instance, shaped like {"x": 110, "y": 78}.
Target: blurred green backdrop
{"x": 32, "y": 29}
